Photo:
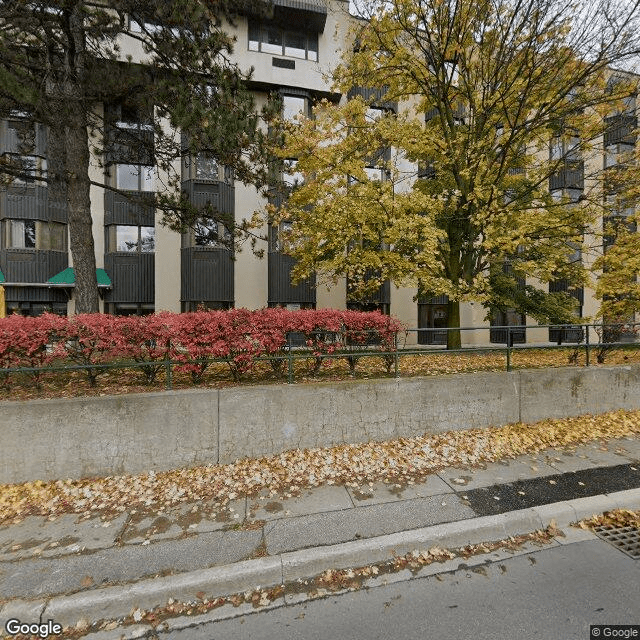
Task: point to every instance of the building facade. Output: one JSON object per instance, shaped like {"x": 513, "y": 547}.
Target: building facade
{"x": 144, "y": 267}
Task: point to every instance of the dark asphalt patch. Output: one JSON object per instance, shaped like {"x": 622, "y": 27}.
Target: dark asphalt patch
{"x": 523, "y": 494}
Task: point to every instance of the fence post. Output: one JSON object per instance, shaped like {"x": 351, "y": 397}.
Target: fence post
{"x": 290, "y": 360}
{"x": 586, "y": 345}
{"x": 508, "y": 348}
{"x": 396, "y": 353}
{"x": 167, "y": 373}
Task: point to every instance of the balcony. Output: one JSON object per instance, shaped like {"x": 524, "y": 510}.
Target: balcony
{"x": 132, "y": 276}
{"x": 218, "y": 194}
{"x": 281, "y": 289}
{"x": 31, "y": 265}
{"x": 570, "y": 176}
{"x": 129, "y": 208}
{"x": 308, "y": 14}
{"x": 30, "y": 202}
{"x": 206, "y": 274}
{"x": 620, "y": 130}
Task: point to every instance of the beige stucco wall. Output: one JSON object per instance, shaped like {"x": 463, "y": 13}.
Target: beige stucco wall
{"x": 167, "y": 258}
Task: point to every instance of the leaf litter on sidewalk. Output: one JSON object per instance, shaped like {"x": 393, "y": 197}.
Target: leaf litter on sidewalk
{"x": 396, "y": 462}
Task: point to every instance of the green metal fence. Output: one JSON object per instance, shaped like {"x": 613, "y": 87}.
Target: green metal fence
{"x": 587, "y": 338}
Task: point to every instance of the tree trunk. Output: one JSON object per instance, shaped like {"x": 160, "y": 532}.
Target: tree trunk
{"x": 453, "y": 320}
{"x": 79, "y": 211}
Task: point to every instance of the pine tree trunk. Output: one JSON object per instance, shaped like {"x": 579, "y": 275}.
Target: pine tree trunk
{"x": 79, "y": 211}
{"x": 453, "y": 320}
{"x": 77, "y": 166}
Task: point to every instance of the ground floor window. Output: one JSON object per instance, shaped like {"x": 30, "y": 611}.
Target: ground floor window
{"x": 35, "y": 308}
{"x": 129, "y": 309}
{"x": 500, "y": 320}
{"x": 205, "y": 305}
{"x": 433, "y": 318}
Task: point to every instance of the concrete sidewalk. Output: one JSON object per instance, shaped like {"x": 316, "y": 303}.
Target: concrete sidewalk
{"x": 68, "y": 568}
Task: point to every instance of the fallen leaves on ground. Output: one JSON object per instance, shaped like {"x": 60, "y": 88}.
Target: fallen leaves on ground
{"x": 397, "y": 462}
{"x": 328, "y": 582}
{"x": 428, "y": 363}
{"x": 614, "y": 518}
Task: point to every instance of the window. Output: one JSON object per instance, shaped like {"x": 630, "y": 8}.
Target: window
{"x": 129, "y": 131}
{"x": 375, "y": 163}
{"x": 21, "y": 234}
{"x": 135, "y": 177}
{"x": 293, "y": 106}
{"x": 53, "y": 236}
{"x": 35, "y": 234}
{"x": 202, "y": 166}
{"x": 24, "y": 133}
{"x": 209, "y": 233}
{"x": 567, "y": 148}
{"x": 283, "y": 42}
{"x": 617, "y": 154}
{"x": 278, "y": 235}
{"x": 619, "y": 207}
{"x": 153, "y": 24}
{"x": 131, "y": 309}
{"x": 291, "y": 177}
{"x": 143, "y": 27}
{"x": 29, "y": 168}
{"x": 131, "y": 239}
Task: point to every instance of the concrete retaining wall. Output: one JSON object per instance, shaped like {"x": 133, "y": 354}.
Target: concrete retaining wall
{"x": 79, "y": 437}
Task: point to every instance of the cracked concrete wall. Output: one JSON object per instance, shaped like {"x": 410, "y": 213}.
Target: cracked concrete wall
{"x": 561, "y": 393}
{"x": 265, "y": 420}
{"x": 80, "y": 437}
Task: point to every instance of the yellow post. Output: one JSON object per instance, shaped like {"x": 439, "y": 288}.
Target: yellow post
{"x": 3, "y": 310}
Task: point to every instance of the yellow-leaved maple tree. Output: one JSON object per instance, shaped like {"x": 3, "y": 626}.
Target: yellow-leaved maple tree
{"x": 436, "y": 171}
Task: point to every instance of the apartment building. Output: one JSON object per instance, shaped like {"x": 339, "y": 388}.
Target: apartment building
{"x": 144, "y": 267}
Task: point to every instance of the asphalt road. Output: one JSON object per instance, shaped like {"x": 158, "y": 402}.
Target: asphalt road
{"x": 551, "y": 594}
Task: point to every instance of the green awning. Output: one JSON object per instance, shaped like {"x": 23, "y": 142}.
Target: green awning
{"x": 69, "y": 277}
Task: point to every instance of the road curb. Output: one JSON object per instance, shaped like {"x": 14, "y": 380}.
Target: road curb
{"x": 119, "y": 601}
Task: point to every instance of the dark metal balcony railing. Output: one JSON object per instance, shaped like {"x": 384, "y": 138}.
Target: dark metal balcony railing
{"x": 620, "y": 129}
{"x": 571, "y": 176}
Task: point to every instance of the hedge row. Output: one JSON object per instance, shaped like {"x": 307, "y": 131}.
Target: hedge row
{"x": 239, "y": 336}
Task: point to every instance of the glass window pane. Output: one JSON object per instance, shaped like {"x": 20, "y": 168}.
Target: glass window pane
{"x": 292, "y": 106}
{"x": 27, "y": 166}
{"x": 57, "y": 236}
{"x": 373, "y": 173}
{"x": 556, "y": 149}
{"x": 24, "y": 133}
{"x": 43, "y": 235}
{"x": 147, "y": 239}
{"x": 272, "y": 42}
{"x": 295, "y": 44}
{"x": 147, "y": 181}
{"x": 312, "y": 45}
{"x": 30, "y": 234}
{"x": 126, "y": 238}
{"x": 127, "y": 177}
{"x": 206, "y": 167}
{"x": 254, "y": 36}
{"x": 17, "y": 234}
{"x": 373, "y": 114}
{"x": 291, "y": 177}
{"x": 186, "y": 166}
{"x": 205, "y": 234}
